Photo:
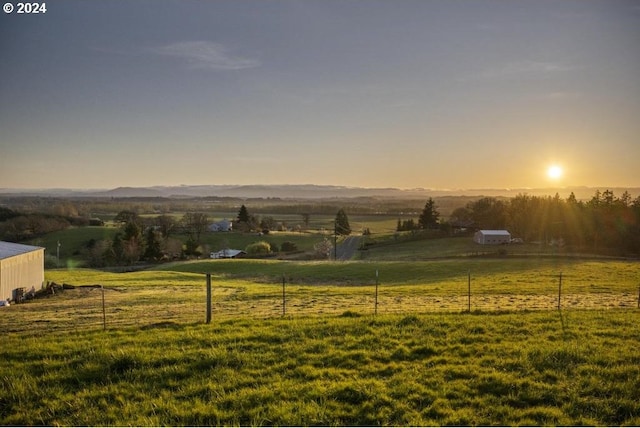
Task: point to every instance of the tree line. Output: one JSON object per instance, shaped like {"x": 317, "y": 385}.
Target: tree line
{"x": 154, "y": 239}
{"x": 605, "y": 223}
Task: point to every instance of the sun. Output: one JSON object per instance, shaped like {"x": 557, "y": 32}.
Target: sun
{"x": 555, "y": 172}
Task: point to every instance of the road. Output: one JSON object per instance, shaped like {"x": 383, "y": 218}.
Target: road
{"x": 347, "y": 249}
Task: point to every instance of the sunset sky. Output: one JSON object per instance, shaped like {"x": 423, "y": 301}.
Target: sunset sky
{"x": 450, "y": 94}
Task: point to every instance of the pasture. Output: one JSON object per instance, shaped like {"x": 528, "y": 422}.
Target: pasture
{"x": 531, "y": 368}
{"x": 253, "y": 288}
{"x": 147, "y": 358}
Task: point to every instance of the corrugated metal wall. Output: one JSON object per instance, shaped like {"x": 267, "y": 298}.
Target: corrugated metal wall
{"x": 21, "y": 271}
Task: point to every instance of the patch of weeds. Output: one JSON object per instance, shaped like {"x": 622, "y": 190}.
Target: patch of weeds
{"x": 350, "y": 314}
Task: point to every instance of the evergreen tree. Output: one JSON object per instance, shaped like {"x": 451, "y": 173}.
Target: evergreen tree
{"x": 342, "y": 223}
{"x": 429, "y": 217}
{"x": 243, "y": 215}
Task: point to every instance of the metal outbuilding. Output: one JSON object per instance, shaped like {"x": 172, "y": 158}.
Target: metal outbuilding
{"x": 21, "y": 269}
{"x": 227, "y": 253}
{"x": 492, "y": 237}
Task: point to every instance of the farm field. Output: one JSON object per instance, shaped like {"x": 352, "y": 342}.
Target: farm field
{"x": 400, "y": 247}
{"x": 73, "y": 241}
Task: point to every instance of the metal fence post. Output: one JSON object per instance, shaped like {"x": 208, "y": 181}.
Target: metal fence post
{"x": 284, "y": 297}
{"x": 208, "y": 298}
{"x": 559, "y": 290}
{"x": 377, "y": 282}
{"x": 104, "y": 311}
{"x": 469, "y": 292}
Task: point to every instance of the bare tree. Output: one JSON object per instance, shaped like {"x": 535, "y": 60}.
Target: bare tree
{"x": 195, "y": 224}
{"x": 166, "y": 224}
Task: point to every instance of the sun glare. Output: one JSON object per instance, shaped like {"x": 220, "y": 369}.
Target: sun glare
{"x": 554, "y": 172}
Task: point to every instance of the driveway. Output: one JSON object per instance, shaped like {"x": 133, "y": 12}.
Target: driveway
{"x": 347, "y": 249}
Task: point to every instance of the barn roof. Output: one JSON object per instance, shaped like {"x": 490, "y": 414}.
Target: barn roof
{"x": 10, "y": 249}
{"x": 228, "y": 253}
{"x": 495, "y": 232}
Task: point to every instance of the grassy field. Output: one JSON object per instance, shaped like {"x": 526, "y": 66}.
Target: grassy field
{"x": 253, "y": 288}
{"x": 533, "y": 368}
{"x": 321, "y": 356}
{"x": 72, "y": 242}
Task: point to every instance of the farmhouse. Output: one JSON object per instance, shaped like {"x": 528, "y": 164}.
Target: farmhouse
{"x": 492, "y": 237}
{"x": 221, "y": 226}
{"x": 21, "y": 270}
{"x": 227, "y": 253}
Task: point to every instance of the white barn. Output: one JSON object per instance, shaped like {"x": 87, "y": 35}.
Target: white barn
{"x": 221, "y": 226}
{"x": 492, "y": 237}
{"x": 227, "y": 253}
{"x": 21, "y": 266}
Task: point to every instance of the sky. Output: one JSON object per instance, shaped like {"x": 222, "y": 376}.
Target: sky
{"x": 437, "y": 94}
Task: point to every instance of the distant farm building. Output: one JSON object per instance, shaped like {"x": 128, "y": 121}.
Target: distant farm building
{"x": 21, "y": 270}
{"x": 221, "y": 226}
{"x": 492, "y": 237}
{"x": 227, "y": 254}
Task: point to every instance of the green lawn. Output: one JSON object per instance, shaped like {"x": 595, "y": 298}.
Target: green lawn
{"x": 534, "y": 368}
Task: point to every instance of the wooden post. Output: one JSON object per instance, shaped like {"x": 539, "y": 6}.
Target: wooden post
{"x": 104, "y": 311}
{"x": 208, "y": 298}
{"x": 469, "y": 292}
{"x": 638, "y": 296}
{"x": 284, "y": 297}
{"x": 377, "y": 283}
{"x": 559, "y": 290}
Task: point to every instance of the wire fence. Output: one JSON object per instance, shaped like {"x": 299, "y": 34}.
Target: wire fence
{"x": 377, "y": 299}
{"x": 98, "y": 307}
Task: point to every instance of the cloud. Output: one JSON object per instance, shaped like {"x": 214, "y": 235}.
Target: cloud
{"x": 206, "y": 55}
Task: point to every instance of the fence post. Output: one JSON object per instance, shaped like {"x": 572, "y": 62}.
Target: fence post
{"x": 284, "y": 298}
{"x": 377, "y": 282}
{"x": 104, "y": 311}
{"x": 638, "y": 296}
{"x": 559, "y": 290}
{"x": 208, "y": 298}
{"x": 469, "y": 292}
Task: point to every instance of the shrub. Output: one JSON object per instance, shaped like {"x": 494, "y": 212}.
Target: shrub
{"x": 260, "y": 247}
{"x": 323, "y": 249}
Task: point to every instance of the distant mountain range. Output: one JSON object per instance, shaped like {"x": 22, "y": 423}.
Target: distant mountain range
{"x": 301, "y": 191}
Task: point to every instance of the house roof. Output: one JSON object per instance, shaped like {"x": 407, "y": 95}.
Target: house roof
{"x": 495, "y": 232}
{"x": 228, "y": 253}
{"x": 11, "y": 249}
